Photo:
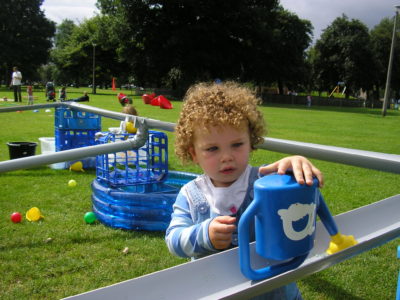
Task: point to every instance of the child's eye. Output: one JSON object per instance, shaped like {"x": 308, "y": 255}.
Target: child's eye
{"x": 237, "y": 145}
{"x": 211, "y": 149}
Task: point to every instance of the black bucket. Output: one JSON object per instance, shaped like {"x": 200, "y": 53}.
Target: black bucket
{"x": 21, "y": 149}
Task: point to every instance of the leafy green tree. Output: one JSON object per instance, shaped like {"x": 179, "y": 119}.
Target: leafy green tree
{"x": 177, "y": 42}
{"x": 47, "y": 72}
{"x": 26, "y": 37}
{"x": 63, "y": 33}
{"x": 292, "y": 36}
{"x": 75, "y": 46}
{"x": 72, "y": 61}
{"x": 381, "y": 37}
{"x": 309, "y": 82}
{"x": 62, "y": 40}
{"x": 343, "y": 54}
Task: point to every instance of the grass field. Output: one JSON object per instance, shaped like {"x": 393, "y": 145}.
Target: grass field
{"x": 62, "y": 256}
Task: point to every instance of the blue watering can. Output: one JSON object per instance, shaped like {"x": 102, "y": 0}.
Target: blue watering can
{"x": 284, "y": 213}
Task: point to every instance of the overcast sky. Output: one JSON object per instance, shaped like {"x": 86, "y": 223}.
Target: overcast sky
{"x": 321, "y": 13}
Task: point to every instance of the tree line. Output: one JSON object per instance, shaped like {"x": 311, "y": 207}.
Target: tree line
{"x": 174, "y": 43}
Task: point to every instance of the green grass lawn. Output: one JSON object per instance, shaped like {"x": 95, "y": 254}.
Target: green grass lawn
{"x": 62, "y": 256}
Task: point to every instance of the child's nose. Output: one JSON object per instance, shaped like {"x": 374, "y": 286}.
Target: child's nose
{"x": 226, "y": 156}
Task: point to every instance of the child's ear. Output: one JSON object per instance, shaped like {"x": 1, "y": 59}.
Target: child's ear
{"x": 193, "y": 154}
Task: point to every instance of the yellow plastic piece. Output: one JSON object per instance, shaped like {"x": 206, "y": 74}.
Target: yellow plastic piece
{"x": 130, "y": 128}
{"x": 339, "y": 242}
{"x": 34, "y": 214}
{"x": 78, "y": 166}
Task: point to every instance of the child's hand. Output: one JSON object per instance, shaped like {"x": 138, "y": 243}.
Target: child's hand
{"x": 220, "y": 231}
{"x": 303, "y": 170}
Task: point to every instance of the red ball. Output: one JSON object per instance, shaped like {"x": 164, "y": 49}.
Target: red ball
{"x": 16, "y": 217}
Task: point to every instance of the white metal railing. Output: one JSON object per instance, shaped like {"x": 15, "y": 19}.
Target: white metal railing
{"x": 360, "y": 158}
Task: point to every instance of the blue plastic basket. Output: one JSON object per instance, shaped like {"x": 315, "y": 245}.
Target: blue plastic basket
{"x": 71, "y": 139}
{"x": 148, "y": 164}
{"x": 66, "y": 119}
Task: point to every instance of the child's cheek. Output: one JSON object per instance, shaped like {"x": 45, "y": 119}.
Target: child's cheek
{"x": 208, "y": 155}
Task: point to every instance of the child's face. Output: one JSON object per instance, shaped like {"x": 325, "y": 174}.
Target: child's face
{"x": 222, "y": 153}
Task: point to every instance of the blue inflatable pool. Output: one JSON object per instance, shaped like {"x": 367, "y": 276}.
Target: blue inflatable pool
{"x": 138, "y": 207}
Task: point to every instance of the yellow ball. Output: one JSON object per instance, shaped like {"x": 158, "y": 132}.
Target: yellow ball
{"x": 130, "y": 128}
{"x": 72, "y": 183}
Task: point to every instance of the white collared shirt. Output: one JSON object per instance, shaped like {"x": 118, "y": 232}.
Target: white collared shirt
{"x": 16, "y": 78}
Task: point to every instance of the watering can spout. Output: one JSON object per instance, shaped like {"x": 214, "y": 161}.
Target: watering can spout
{"x": 340, "y": 242}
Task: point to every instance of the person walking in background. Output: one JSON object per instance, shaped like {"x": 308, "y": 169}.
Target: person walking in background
{"x": 16, "y": 78}
{"x": 29, "y": 90}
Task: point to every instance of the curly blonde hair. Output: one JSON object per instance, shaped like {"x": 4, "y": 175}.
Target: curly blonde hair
{"x": 129, "y": 110}
{"x": 212, "y": 104}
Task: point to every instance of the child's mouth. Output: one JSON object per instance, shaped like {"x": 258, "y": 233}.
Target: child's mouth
{"x": 227, "y": 171}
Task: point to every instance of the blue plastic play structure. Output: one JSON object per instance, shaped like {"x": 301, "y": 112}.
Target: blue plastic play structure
{"x": 134, "y": 189}
{"x": 284, "y": 213}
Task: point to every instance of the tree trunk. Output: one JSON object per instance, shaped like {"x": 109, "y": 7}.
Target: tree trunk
{"x": 280, "y": 87}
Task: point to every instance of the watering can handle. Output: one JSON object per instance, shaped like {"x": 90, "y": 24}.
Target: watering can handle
{"x": 244, "y": 240}
{"x": 244, "y": 250}
{"x": 326, "y": 217}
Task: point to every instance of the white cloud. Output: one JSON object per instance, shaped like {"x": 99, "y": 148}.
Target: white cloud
{"x": 77, "y": 11}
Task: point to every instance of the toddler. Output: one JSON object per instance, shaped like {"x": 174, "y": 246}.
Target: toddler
{"x": 127, "y": 125}
{"x": 218, "y": 128}
{"x": 29, "y": 90}
{"x": 62, "y": 94}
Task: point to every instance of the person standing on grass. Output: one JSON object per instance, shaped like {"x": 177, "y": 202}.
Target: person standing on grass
{"x": 62, "y": 94}
{"x": 309, "y": 100}
{"x": 218, "y": 128}
{"x": 29, "y": 90}
{"x": 16, "y": 79}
